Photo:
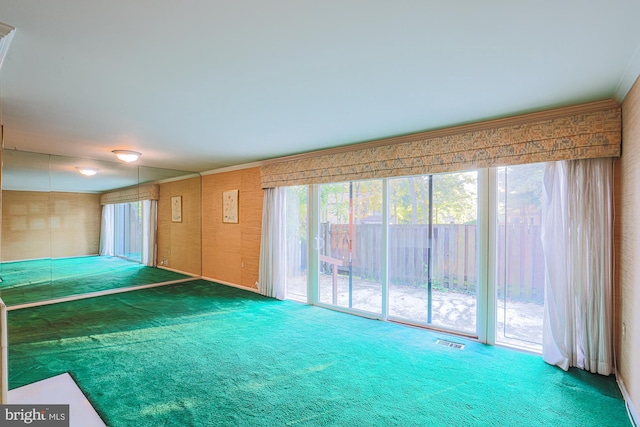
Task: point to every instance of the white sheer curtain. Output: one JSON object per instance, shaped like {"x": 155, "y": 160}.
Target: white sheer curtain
{"x": 107, "y": 231}
{"x": 149, "y": 227}
{"x": 577, "y": 238}
{"x": 272, "y": 272}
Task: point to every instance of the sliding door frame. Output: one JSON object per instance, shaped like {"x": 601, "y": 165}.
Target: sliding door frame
{"x": 385, "y": 249}
{"x": 487, "y": 209}
{"x": 313, "y": 290}
{"x": 486, "y": 250}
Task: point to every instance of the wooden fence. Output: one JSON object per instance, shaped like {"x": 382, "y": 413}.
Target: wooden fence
{"x": 454, "y": 260}
{"x": 523, "y": 266}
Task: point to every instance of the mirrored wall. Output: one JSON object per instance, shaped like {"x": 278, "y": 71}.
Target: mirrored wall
{"x": 118, "y": 225}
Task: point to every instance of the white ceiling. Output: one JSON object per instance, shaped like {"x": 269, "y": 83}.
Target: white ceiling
{"x": 198, "y": 85}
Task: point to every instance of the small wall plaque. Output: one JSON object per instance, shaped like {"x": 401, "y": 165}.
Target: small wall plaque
{"x": 176, "y": 209}
{"x": 230, "y": 206}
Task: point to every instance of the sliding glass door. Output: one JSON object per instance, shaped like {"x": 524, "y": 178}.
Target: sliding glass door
{"x": 349, "y": 245}
{"x": 433, "y": 250}
{"x": 407, "y": 249}
{"x": 128, "y": 231}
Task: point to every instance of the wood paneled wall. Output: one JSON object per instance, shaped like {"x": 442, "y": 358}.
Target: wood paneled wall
{"x": 179, "y": 242}
{"x": 231, "y": 252}
{"x": 627, "y": 244}
{"x": 42, "y": 225}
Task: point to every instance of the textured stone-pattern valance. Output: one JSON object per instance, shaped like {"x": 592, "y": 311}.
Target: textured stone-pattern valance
{"x": 591, "y": 132}
{"x": 132, "y": 194}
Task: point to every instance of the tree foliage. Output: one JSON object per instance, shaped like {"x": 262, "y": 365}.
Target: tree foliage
{"x": 454, "y": 199}
{"x": 520, "y": 189}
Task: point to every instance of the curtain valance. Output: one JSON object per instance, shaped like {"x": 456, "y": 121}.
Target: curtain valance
{"x": 131, "y": 194}
{"x": 585, "y": 131}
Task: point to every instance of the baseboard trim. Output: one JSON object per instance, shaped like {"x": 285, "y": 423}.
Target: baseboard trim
{"x": 631, "y": 409}
{"x": 234, "y": 285}
{"x": 162, "y": 267}
{"x": 96, "y": 294}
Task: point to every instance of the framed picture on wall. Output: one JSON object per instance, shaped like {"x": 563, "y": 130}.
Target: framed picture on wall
{"x": 230, "y": 206}
{"x": 176, "y": 209}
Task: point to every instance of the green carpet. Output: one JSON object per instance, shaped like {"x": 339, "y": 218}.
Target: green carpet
{"x": 203, "y": 354}
{"x": 37, "y": 280}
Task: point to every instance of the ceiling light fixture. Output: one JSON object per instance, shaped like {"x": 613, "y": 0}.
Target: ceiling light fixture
{"x": 87, "y": 171}
{"x": 127, "y": 155}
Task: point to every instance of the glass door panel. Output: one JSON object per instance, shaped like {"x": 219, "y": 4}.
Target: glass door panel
{"x": 333, "y": 244}
{"x": 350, "y": 245}
{"x": 455, "y": 282}
{"x": 297, "y": 245}
{"x": 520, "y": 269}
{"x": 433, "y": 250}
{"x": 409, "y": 211}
